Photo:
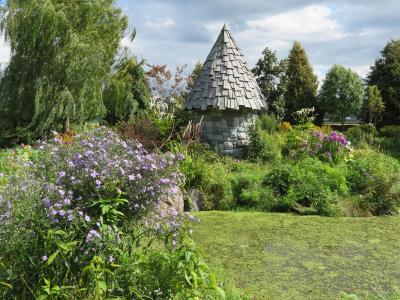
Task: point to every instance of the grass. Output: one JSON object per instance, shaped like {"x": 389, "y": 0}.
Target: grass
{"x": 283, "y": 256}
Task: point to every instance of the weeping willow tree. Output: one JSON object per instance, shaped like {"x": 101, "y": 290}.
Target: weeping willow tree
{"x": 127, "y": 91}
{"x": 61, "y": 55}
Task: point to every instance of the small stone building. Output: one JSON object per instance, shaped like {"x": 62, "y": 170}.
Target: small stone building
{"x": 226, "y": 96}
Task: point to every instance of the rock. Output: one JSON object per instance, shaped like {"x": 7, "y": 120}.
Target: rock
{"x": 194, "y": 200}
{"x": 174, "y": 201}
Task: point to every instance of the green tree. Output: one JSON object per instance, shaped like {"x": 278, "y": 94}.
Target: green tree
{"x": 374, "y": 103}
{"x": 270, "y": 76}
{"x": 385, "y": 74}
{"x": 127, "y": 91}
{"x": 302, "y": 84}
{"x": 191, "y": 80}
{"x": 342, "y": 93}
{"x": 61, "y": 55}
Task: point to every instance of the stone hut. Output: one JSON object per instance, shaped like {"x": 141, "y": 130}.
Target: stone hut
{"x": 226, "y": 96}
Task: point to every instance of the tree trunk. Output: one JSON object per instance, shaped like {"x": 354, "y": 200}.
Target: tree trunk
{"x": 66, "y": 125}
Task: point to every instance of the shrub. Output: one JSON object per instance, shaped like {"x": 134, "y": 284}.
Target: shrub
{"x": 375, "y": 176}
{"x": 285, "y": 126}
{"x": 80, "y": 221}
{"x": 263, "y": 147}
{"x": 266, "y": 122}
{"x": 150, "y": 131}
{"x": 248, "y": 189}
{"x": 391, "y": 131}
{"x": 306, "y": 141}
{"x": 362, "y": 134}
{"x": 308, "y": 186}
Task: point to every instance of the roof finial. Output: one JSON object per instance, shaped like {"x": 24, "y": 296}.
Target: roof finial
{"x": 225, "y": 26}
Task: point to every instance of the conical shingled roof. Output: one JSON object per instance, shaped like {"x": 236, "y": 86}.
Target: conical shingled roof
{"x": 225, "y": 81}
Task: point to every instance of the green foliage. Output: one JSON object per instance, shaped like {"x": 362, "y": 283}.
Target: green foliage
{"x": 304, "y": 116}
{"x": 192, "y": 79}
{"x": 61, "y": 56}
{"x": 390, "y": 131}
{"x": 374, "y": 103}
{"x": 270, "y": 76}
{"x": 147, "y": 128}
{"x": 267, "y": 122}
{"x": 127, "y": 91}
{"x": 365, "y": 134}
{"x": 67, "y": 230}
{"x": 376, "y": 178}
{"x": 263, "y": 147}
{"x": 341, "y": 94}
{"x": 222, "y": 182}
{"x": 310, "y": 141}
{"x": 308, "y": 186}
{"x": 301, "y": 89}
{"x": 385, "y": 74}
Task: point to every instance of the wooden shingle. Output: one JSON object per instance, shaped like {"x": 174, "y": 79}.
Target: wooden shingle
{"x": 225, "y": 81}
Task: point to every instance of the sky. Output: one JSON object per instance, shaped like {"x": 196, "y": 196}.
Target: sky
{"x": 182, "y": 32}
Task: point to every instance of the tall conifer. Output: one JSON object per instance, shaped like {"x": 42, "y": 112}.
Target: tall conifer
{"x": 302, "y": 85}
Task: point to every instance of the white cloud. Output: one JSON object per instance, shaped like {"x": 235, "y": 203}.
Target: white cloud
{"x": 311, "y": 23}
{"x": 4, "y": 51}
{"x": 362, "y": 70}
{"x": 160, "y": 24}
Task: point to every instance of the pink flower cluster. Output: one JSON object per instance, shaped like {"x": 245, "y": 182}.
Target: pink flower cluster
{"x": 332, "y": 147}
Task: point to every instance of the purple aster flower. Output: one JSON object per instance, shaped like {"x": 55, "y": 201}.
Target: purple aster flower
{"x": 92, "y": 235}
{"x": 44, "y": 258}
{"x": 46, "y": 202}
{"x": 164, "y": 181}
{"x": 1, "y": 175}
{"x": 132, "y": 177}
{"x": 111, "y": 259}
{"x": 70, "y": 218}
{"x": 62, "y": 174}
{"x": 87, "y": 218}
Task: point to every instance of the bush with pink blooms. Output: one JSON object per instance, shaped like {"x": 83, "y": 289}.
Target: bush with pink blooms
{"x": 311, "y": 142}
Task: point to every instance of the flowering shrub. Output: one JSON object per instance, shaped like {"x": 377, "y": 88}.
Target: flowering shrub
{"x": 285, "y": 126}
{"x": 101, "y": 165}
{"x": 80, "y": 221}
{"x": 304, "y": 115}
{"x": 332, "y": 147}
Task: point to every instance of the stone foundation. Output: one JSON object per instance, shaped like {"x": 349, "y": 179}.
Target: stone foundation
{"x": 227, "y": 130}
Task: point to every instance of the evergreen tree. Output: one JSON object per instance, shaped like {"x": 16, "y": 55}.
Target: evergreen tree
{"x": 61, "y": 54}
{"x": 270, "y": 76}
{"x": 301, "y": 88}
{"x": 385, "y": 74}
{"x": 127, "y": 92}
{"x": 342, "y": 93}
{"x": 375, "y": 104}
